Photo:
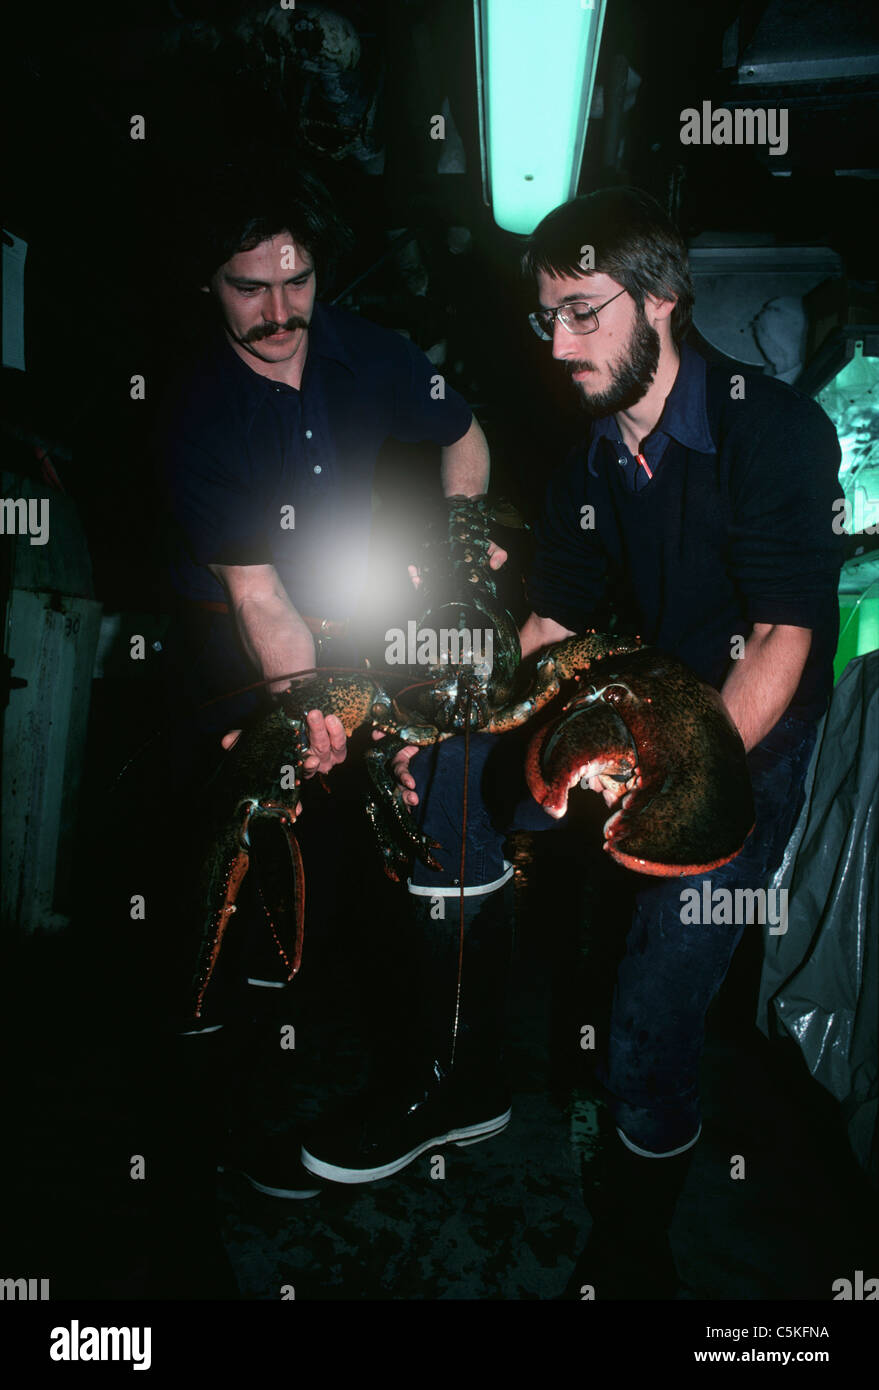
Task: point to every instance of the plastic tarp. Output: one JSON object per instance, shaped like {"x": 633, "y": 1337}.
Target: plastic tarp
{"x": 820, "y": 980}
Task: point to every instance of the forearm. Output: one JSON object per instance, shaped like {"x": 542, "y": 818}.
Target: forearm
{"x": 272, "y": 632}
{"x": 762, "y": 682}
{"x": 537, "y": 633}
{"x": 465, "y": 464}
{"x": 275, "y": 638}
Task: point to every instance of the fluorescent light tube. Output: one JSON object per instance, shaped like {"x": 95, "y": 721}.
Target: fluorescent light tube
{"x": 536, "y": 73}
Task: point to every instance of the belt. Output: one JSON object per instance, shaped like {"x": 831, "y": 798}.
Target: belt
{"x": 318, "y": 627}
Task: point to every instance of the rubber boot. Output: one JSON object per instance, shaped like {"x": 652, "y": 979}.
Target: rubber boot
{"x": 444, "y": 1081}
{"x": 268, "y": 1160}
{"x": 631, "y": 1198}
{"x": 187, "y": 1258}
{"x": 462, "y": 1032}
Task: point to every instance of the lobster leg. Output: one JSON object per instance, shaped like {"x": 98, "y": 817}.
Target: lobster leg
{"x": 513, "y": 715}
{"x": 577, "y": 654}
{"x": 565, "y": 661}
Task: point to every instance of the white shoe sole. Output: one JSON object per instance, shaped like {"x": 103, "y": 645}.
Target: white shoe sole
{"x": 472, "y": 1134}
{"x": 293, "y": 1194}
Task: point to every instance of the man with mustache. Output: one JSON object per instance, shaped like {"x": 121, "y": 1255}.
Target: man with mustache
{"x": 713, "y": 536}
{"x": 287, "y": 410}
{"x": 267, "y": 448}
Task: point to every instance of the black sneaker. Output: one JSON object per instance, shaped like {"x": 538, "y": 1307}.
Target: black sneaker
{"x": 378, "y": 1136}
{"x": 273, "y": 1166}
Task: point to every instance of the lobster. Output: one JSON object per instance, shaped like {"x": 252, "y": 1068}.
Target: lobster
{"x": 639, "y": 721}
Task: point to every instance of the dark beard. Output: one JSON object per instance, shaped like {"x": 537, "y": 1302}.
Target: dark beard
{"x": 631, "y": 379}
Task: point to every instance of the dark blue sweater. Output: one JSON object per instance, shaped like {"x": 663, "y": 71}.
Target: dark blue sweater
{"x": 734, "y": 528}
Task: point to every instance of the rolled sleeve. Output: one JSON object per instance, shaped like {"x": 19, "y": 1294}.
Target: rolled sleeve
{"x": 426, "y": 408}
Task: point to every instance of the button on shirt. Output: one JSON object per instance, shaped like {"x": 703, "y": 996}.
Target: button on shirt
{"x": 255, "y": 472}
{"x": 735, "y": 527}
{"x": 685, "y": 418}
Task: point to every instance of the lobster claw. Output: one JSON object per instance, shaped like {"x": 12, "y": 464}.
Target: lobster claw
{"x": 264, "y": 841}
{"x": 585, "y": 742}
{"x": 245, "y": 828}
{"x": 664, "y": 738}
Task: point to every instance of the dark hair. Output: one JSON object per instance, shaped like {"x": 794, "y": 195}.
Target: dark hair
{"x": 633, "y": 241}
{"x": 249, "y": 202}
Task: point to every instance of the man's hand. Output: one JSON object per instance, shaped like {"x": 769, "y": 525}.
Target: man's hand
{"x": 496, "y": 556}
{"x": 327, "y": 745}
{"x": 537, "y": 633}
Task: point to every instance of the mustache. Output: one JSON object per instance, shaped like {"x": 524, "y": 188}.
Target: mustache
{"x": 584, "y": 366}
{"x": 268, "y": 330}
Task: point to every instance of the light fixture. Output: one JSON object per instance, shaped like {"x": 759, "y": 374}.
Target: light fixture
{"x": 535, "y": 74}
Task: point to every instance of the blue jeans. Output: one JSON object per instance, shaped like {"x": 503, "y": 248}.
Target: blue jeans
{"x": 671, "y": 971}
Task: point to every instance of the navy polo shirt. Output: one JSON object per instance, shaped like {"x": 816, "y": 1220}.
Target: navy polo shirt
{"x": 735, "y": 527}
{"x": 237, "y": 451}
{"x": 684, "y": 418}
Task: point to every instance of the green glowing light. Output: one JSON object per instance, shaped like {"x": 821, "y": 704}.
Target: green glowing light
{"x": 537, "y": 73}
{"x": 851, "y": 400}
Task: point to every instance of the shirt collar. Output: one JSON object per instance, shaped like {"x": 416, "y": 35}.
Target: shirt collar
{"x": 684, "y": 417}
{"x": 324, "y": 340}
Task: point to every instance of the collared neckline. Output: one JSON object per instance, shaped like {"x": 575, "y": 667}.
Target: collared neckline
{"x": 684, "y": 417}
{"x": 324, "y": 340}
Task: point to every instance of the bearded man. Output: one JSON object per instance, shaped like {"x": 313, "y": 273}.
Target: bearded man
{"x": 713, "y": 499}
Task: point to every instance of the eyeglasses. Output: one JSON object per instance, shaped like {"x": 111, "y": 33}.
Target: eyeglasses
{"x": 576, "y": 316}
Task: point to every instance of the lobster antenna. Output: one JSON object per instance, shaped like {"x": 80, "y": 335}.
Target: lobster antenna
{"x": 461, "y": 895}
{"x": 164, "y": 729}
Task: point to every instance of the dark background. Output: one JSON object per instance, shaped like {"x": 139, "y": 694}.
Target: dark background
{"x": 106, "y": 217}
